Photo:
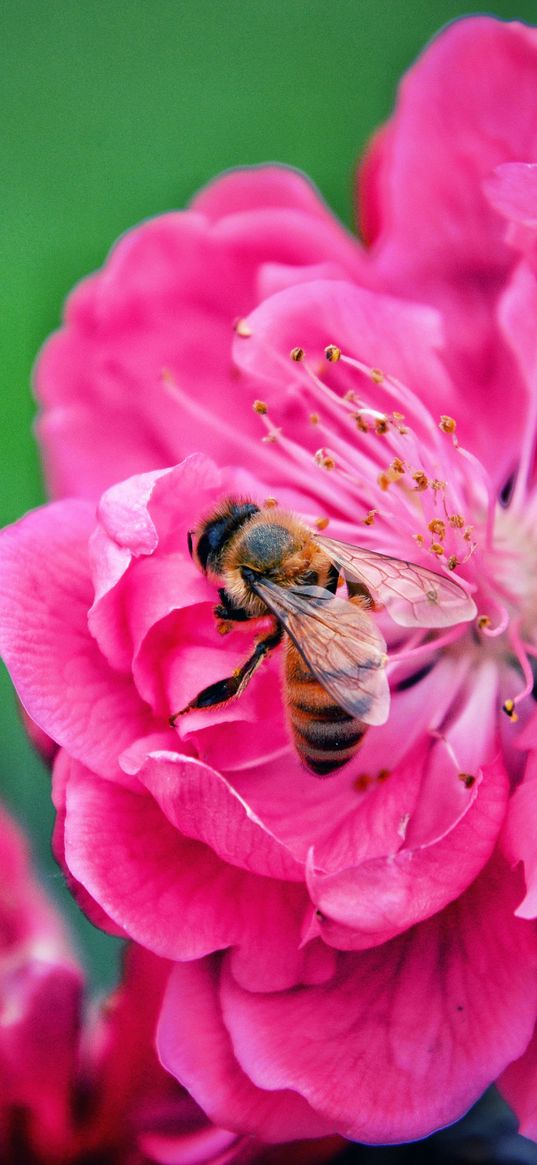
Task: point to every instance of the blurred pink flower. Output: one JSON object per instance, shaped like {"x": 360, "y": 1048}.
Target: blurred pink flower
{"x": 71, "y": 1092}
{"x": 309, "y": 920}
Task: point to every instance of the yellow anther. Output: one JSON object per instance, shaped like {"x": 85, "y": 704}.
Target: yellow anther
{"x": 457, "y": 521}
{"x": 269, "y": 503}
{"x": 314, "y": 418}
{"x": 436, "y": 548}
{"x": 242, "y": 329}
{"x": 468, "y": 533}
{"x": 447, "y": 424}
{"x": 370, "y": 518}
{"x": 324, "y": 460}
{"x": 397, "y": 466}
{"x": 259, "y": 406}
{"x": 349, "y": 395}
{"x": 398, "y": 416}
{"x": 381, "y": 425}
{"x": 224, "y": 628}
{"x": 421, "y": 480}
{"x": 361, "y": 425}
{"x": 332, "y": 353}
{"x": 419, "y": 539}
{"x": 484, "y": 621}
{"x": 321, "y": 523}
{"x": 377, "y": 376}
{"x": 509, "y": 709}
{"x": 438, "y": 527}
{"x": 384, "y": 480}
{"x": 297, "y": 354}
{"x": 437, "y": 485}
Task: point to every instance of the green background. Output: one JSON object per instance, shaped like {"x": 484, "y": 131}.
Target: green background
{"x": 114, "y": 110}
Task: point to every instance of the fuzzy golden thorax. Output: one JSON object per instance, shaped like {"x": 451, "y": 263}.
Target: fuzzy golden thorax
{"x": 276, "y": 546}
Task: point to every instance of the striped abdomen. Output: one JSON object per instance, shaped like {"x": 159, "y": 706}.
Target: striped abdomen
{"x": 324, "y": 735}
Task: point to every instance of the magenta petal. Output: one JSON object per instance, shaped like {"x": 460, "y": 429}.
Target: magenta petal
{"x": 520, "y": 839}
{"x": 172, "y": 894}
{"x": 63, "y": 681}
{"x": 464, "y": 107}
{"x": 195, "y": 1046}
{"x": 202, "y": 805}
{"x": 255, "y": 187}
{"x": 518, "y": 1084}
{"x": 467, "y": 977}
{"x": 372, "y": 902}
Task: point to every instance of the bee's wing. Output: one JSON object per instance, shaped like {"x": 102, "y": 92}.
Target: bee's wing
{"x": 339, "y": 642}
{"x": 414, "y": 595}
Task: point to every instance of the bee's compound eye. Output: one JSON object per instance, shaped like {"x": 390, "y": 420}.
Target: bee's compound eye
{"x": 190, "y": 544}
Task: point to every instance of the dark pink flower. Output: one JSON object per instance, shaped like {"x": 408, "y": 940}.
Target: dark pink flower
{"x": 71, "y": 1091}
{"x": 308, "y": 920}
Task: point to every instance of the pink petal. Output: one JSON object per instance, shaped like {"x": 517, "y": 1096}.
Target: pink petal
{"x": 63, "y": 681}
{"x": 172, "y": 894}
{"x": 195, "y": 1046}
{"x": 518, "y": 1084}
{"x": 367, "y": 1053}
{"x": 464, "y": 107}
{"x": 202, "y": 805}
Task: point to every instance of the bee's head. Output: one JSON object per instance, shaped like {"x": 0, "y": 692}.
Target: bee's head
{"x": 208, "y": 541}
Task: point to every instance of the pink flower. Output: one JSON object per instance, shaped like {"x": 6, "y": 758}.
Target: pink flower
{"x": 308, "y": 920}
{"x": 69, "y": 1092}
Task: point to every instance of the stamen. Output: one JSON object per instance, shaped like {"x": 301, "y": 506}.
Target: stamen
{"x": 297, "y": 354}
{"x": 241, "y": 328}
{"x": 520, "y": 650}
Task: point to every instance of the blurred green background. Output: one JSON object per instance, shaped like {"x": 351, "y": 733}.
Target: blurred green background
{"x": 114, "y": 110}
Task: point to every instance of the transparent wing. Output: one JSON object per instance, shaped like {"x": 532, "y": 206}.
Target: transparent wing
{"x": 339, "y": 642}
{"x": 414, "y": 595}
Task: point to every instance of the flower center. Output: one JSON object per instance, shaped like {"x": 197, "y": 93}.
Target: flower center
{"x": 387, "y": 466}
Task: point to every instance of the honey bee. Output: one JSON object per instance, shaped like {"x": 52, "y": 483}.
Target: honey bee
{"x": 271, "y": 564}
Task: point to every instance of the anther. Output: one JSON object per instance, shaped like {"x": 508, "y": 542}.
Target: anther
{"x": 452, "y": 562}
{"x": 436, "y": 548}
{"x": 332, "y": 353}
{"x": 437, "y": 485}
{"x": 377, "y": 376}
{"x": 447, "y": 424}
{"x": 324, "y": 460}
{"x": 370, "y": 518}
{"x": 297, "y": 354}
{"x": 381, "y": 426}
{"x": 224, "y": 627}
{"x": 438, "y": 527}
{"x": 241, "y": 328}
{"x": 259, "y": 406}
{"x": 419, "y": 539}
{"x": 314, "y": 418}
{"x": 362, "y": 782}
{"x": 457, "y": 521}
{"x": 421, "y": 480}
{"x": 269, "y": 503}
{"x": 321, "y": 523}
{"x": 467, "y": 779}
{"x": 361, "y": 425}
{"x": 484, "y": 621}
{"x": 509, "y": 709}
{"x": 397, "y": 466}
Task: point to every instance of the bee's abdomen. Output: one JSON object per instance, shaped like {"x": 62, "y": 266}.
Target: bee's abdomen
{"x": 324, "y": 735}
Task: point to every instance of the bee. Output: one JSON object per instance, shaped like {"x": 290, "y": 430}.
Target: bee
{"x": 271, "y": 564}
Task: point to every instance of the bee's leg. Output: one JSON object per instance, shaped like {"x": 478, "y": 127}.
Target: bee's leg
{"x": 224, "y": 690}
{"x": 226, "y": 609}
